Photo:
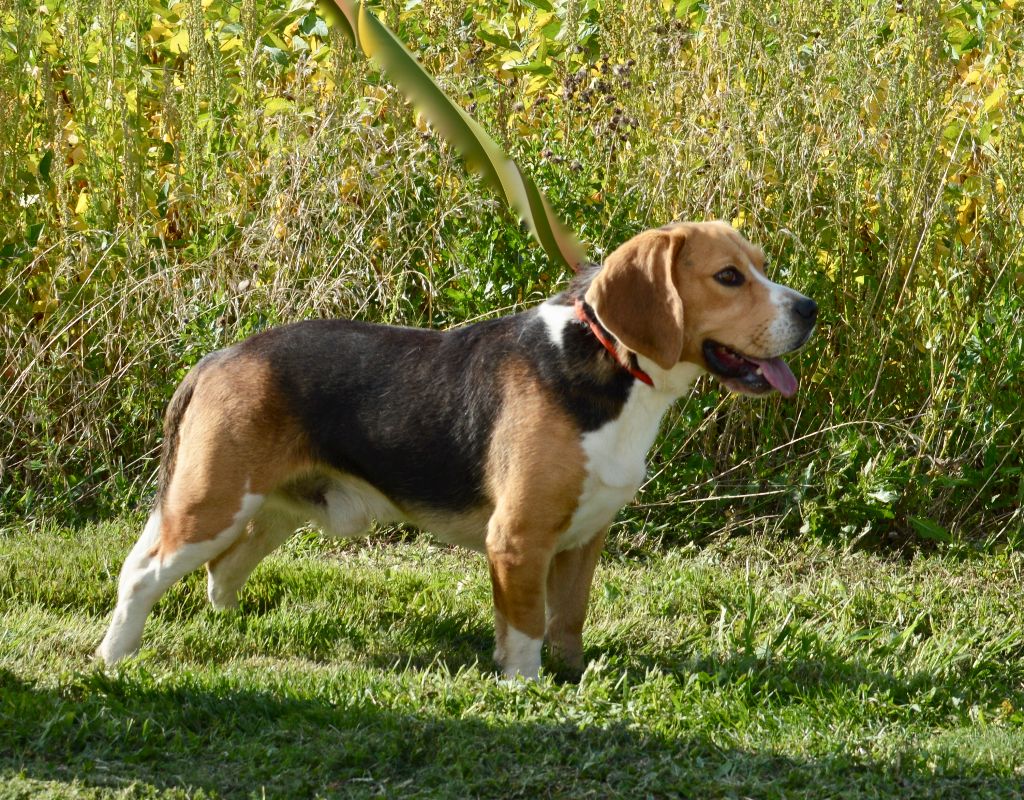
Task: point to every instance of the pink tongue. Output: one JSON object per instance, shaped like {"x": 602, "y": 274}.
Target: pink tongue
{"x": 778, "y": 374}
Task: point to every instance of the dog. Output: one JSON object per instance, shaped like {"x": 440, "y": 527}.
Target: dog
{"x": 520, "y": 437}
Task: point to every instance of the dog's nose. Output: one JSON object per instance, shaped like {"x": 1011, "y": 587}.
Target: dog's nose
{"x": 806, "y": 309}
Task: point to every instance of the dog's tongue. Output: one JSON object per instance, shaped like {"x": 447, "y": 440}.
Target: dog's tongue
{"x": 778, "y": 374}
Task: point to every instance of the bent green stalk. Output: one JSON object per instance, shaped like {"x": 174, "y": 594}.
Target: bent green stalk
{"x": 480, "y": 152}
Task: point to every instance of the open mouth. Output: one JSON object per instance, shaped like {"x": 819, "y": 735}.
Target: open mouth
{"x": 746, "y": 374}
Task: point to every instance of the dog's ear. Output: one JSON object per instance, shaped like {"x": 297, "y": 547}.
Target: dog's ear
{"x": 635, "y": 295}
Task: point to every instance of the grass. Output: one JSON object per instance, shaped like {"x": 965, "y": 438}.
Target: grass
{"x": 752, "y": 667}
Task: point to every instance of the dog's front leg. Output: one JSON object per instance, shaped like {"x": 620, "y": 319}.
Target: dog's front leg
{"x": 569, "y": 578}
{"x": 519, "y": 567}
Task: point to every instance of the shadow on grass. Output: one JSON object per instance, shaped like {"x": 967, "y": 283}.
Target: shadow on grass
{"x": 132, "y": 730}
{"x": 456, "y": 640}
{"x": 820, "y": 672}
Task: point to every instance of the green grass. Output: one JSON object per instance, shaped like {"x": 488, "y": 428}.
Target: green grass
{"x": 752, "y": 667}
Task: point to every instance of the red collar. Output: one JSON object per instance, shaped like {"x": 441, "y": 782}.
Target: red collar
{"x": 631, "y": 366}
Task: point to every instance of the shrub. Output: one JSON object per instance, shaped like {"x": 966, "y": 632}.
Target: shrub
{"x": 177, "y": 176}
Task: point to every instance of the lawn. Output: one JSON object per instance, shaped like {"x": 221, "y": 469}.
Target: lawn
{"x": 750, "y": 667}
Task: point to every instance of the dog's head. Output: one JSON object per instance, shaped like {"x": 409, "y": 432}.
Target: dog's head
{"x": 697, "y": 293}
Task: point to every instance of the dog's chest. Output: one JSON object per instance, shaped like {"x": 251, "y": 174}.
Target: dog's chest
{"x": 616, "y": 464}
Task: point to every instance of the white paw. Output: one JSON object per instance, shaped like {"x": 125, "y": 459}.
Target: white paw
{"x": 521, "y": 655}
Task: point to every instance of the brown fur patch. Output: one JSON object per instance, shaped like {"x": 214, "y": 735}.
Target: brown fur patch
{"x": 535, "y": 471}
{"x": 235, "y": 437}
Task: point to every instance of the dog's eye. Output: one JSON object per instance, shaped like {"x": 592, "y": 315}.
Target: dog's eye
{"x": 730, "y": 276}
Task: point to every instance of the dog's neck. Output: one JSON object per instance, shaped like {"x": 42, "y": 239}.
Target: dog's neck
{"x": 670, "y": 383}
{"x": 628, "y": 362}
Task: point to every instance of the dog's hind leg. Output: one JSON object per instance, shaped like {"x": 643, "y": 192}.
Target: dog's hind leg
{"x": 174, "y": 542}
{"x": 228, "y": 572}
{"x": 228, "y": 442}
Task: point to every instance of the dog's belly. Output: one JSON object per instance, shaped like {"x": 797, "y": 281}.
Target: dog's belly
{"x": 345, "y": 507}
{"x": 466, "y": 529}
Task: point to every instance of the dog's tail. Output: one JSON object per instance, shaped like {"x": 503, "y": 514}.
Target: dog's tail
{"x": 172, "y": 424}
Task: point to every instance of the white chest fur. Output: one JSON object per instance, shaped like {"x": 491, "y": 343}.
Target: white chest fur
{"x": 616, "y": 457}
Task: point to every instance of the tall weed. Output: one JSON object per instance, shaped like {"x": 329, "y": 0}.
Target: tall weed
{"x": 176, "y": 176}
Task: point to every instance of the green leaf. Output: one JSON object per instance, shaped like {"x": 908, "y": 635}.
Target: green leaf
{"x": 277, "y": 55}
{"x": 44, "y": 165}
{"x": 275, "y": 40}
{"x": 927, "y": 529}
{"x": 495, "y": 38}
{"x": 278, "y": 105}
{"x": 535, "y": 67}
{"x": 552, "y": 29}
{"x": 33, "y": 233}
{"x": 953, "y": 131}
{"x": 312, "y": 25}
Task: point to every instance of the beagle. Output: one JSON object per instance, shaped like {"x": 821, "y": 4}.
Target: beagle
{"x": 520, "y": 437}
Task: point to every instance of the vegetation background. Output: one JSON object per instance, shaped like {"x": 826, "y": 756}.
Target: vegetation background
{"x": 175, "y": 176}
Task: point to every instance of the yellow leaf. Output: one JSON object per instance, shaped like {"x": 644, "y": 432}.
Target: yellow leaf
{"x": 231, "y": 44}
{"x": 348, "y": 185}
{"x": 536, "y": 84}
{"x": 45, "y": 306}
{"x": 179, "y": 42}
{"x": 828, "y": 263}
{"x": 83, "y": 203}
{"x": 996, "y": 99}
{"x": 277, "y": 105}
{"x": 77, "y": 154}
